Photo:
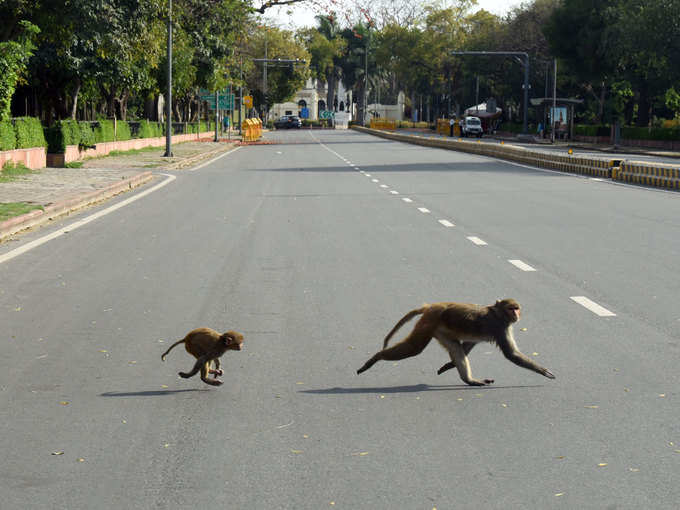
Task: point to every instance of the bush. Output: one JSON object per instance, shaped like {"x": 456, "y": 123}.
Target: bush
{"x": 103, "y": 131}
{"x": 123, "y": 131}
{"x": 8, "y": 139}
{"x": 643, "y": 133}
{"x": 62, "y": 133}
{"x": 588, "y": 130}
{"x": 86, "y": 134}
{"x": 29, "y": 133}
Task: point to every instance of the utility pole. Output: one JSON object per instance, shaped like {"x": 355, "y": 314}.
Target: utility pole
{"x": 240, "y": 101}
{"x": 523, "y": 59}
{"x": 168, "y": 106}
{"x": 552, "y": 117}
{"x": 363, "y": 123}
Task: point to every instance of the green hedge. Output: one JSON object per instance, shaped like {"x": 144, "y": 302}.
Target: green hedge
{"x": 655, "y": 133}
{"x": 8, "y": 139}
{"x": 148, "y": 129}
{"x": 86, "y": 133}
{"x": 103, "y": 132}
{"x": 29, "y": 133}
{"x": 587, "y": 130}
{"x": 122, "y": 131}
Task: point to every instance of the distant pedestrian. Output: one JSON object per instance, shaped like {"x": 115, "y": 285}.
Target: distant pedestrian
{"x": 225, "y": 123}
{"x": 540, "y": 130}
{"x": 452, "y": 122}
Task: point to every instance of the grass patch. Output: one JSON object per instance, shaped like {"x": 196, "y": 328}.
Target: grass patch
{"x": 75, "y": 164}
{"x": 10, "y": 171}
{"x": 134, "y": 151}
{"x": 13, "y": 209}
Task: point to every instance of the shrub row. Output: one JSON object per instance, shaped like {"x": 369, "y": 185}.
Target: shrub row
{"x": 21, "y": 133}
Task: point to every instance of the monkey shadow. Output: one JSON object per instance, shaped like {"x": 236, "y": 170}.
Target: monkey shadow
{"x": 150, "y": 393}
{"x": 415, "y": 388}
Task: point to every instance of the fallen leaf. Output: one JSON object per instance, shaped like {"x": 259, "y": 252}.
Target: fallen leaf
{"x": 332, "y": 502}
{"x": 634, "y": 470}
{"x": 299, "y": 382}
{"x": 64, "y": 403}
{"x": 662, "y": 395}
{"x": 534, "y": 354}
{"x": 131, "y": 362}
{"x": 382, "y": 396}
{"x": 17, "y": 309}
{"x": 602, "y": 464}
{"x": 523, "y": 329}
{"x": 459, "y": 399}
{"x": 305, "y": 436}
{"x": 559, "y": 494}
{"x": 103, "y": 350}
{"x": 81, "y": 460}
{"x": 123, "y": 421}
{"x": 560, "y": 457}
{"x": 591, "y": 407}
{"x": 58, "y": 453}
{"x": 166, "y": 445}
{"x": 164, "y": 385}
{"x": 360, "y": 454}
{"x": 504, "y": 405}
{"x": 296, "y": 451}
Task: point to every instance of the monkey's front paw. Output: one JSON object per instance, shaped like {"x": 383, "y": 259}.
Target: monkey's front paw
{"x": 488, "y": 381}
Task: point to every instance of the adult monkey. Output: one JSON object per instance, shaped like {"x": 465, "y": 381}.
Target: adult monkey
{"x": 207, "y": 345}
{"x": 459, "y": 327}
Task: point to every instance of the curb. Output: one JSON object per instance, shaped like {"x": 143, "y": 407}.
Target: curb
{"x": 50, "y": 212}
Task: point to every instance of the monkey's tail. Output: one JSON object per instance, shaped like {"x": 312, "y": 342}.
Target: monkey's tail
{"x": 403, "y": 321}
{"x": 173, "y": 345}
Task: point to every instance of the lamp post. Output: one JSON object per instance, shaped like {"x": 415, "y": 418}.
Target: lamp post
{"x": 168, "y": 106}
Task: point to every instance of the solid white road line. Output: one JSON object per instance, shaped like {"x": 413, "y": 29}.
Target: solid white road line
{"x": 367, "y": 175}
{"x": 77, "y": 224}
{"x": 477, "y": 241}
{"x": 521, "y": 265}
{"x": 593, "y": 306}
{"x": 213, "y": 159}
{"x": 423, "y": 210}
{"x": 446, "y": 223}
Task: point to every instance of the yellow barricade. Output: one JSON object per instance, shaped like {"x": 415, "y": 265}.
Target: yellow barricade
{"x": 251, "y": 130}
{"x": 386, "y": 124}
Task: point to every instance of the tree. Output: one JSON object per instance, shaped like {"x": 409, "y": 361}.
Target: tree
{"x": 14, "y": 56}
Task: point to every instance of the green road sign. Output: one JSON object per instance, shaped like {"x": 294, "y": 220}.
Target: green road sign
{"x": 226, "y": 101}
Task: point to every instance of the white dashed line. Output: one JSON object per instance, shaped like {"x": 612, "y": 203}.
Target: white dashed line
{"x": 367, "y": 175}
{"x": 407, "y": 200}
{"x": 593, "y": 306}
{"x": 521, "y": 265}
{"x": 375, "y": 180}
{"x": 446, "y": 223}
{"x": 477, "y": 241}
{"x": 384, "y": 186}
{"x": 394, "y": 192}
{"x": 423, "y": 210}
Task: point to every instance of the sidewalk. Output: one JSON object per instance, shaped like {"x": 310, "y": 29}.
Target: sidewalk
{"x": 62, "y": 190}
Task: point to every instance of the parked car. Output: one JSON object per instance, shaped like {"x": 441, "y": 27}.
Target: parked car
{"x": 287, "y": 122}
{"x": 471, "y": 126}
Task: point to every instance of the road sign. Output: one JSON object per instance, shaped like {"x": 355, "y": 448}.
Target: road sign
{"x": 248, "y": 101}
{"x": 327, "y": 114}
{"x": 226, "y": 101}
{"x": 304, "y": 113}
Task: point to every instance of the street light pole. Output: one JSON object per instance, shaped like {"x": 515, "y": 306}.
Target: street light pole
{"x": 168, "y": 106}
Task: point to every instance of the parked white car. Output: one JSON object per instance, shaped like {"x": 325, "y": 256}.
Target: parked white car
{"x": 471, "y": 126}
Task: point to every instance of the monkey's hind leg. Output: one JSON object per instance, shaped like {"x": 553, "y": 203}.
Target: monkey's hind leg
{"x": 410, "y": 346}
{"x": 202, "y": 366}
{"x": 217, "y": 371}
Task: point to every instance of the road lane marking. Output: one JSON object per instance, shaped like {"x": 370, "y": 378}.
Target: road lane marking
{"x": 384, "y": 186}
{"x": 213, "y": 159}
{"x": 394, "y": 192}
{"x": 446, "y": 223}
{"x": 476, "y": 240}
{"x": 77, "y": 224}
{"x": 407, "y": 200}
{"x": 375, "y": 180}
{"x": 367, "y": 175}
{"x": 423, "y": 210}
{"x": 593, "y": 306}
{"x": 521, "y": 265}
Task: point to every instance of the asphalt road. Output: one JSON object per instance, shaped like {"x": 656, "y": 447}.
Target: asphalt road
{"x": 314, "y": 247}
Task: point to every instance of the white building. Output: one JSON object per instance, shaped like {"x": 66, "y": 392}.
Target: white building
{"x": 313, "y": 97}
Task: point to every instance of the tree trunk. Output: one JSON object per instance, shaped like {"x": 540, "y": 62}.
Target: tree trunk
{"x": 330, "y": 95}
{"x": 74, "y": 97}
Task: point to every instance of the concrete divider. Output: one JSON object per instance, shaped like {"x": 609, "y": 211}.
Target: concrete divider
{"x": 596, "y": 167}
{"x": 649, "y": 174}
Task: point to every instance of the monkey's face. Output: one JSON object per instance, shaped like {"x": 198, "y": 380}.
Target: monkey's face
{"x": 233, "y": 340}
{"x": 512, "y": 312}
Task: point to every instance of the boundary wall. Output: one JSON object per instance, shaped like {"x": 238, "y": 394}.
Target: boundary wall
{"x": 636, "y": 172}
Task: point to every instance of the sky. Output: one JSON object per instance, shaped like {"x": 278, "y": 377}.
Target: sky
{"x": 304, "y": 15}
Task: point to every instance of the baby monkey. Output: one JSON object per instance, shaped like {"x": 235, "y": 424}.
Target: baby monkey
{"x": 207, "y": 345}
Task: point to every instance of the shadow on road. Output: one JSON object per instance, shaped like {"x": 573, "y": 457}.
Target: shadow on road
{"x": 416, "y": 388}
{"x": 150, "y": 393}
